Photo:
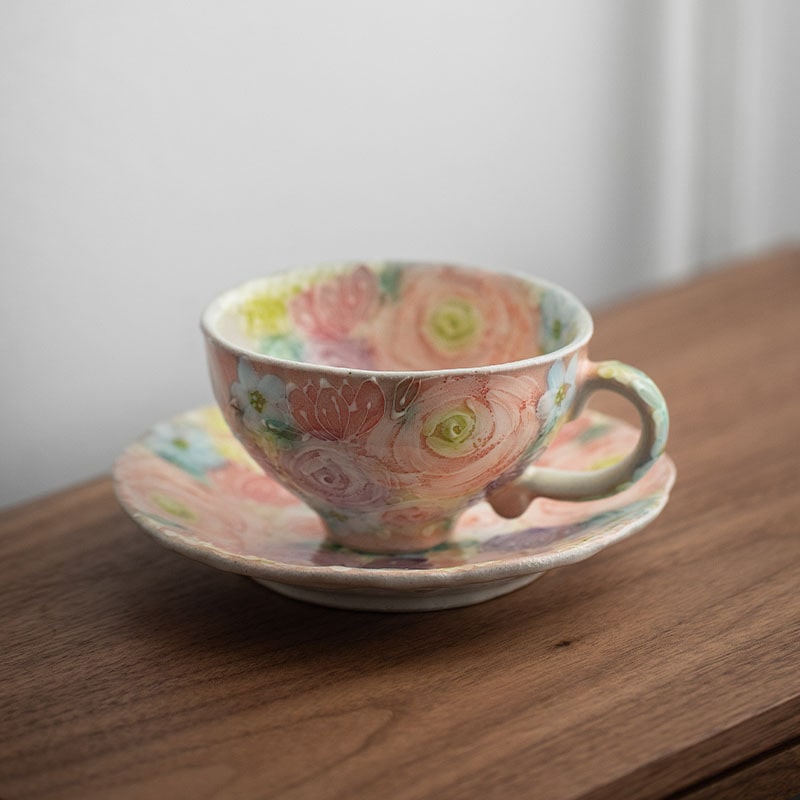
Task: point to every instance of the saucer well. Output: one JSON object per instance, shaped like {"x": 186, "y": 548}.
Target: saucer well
{"x": 190, "y": 484}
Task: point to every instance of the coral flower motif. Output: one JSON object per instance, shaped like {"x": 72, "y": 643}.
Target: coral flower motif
{"x": 332, "y": 309}
{"x": 446, "y": 318}
{"x": 328, "y": 473}
{"x": 464, "y": 433}
{"x": 165, "y": 492}
{"x": 240, "y": 482}
{"x": 337, "y": 410}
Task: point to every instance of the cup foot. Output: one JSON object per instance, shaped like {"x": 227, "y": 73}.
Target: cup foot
{"x": 388, "y": 600}
{"x": 390, "y": 541}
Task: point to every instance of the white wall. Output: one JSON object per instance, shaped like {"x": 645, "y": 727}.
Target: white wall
{"x": 154, "y": 152}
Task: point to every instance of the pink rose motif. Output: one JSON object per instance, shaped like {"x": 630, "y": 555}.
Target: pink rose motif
{"x": 465, "y": 432}
{"x": 448, "y": 318}
{"x": 350, "y": 353}
{"x": 332, "y": 308}
{"x": 336, "y": 410}
{"x": 157, "y": 488}
{"x": 237, "y": 481}
{"x": 333, "y": 475}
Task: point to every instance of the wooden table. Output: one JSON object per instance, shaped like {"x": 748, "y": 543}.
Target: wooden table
{"x": 667, "y": 665}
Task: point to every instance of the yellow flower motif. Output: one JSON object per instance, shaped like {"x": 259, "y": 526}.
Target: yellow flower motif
{"x": 454, "y": 324}
{"x": 448, "y": 433}
{"x": 212, "y": 420}
{"x": 173, "y": 507}
{"x": 233, "y": 452}
{"x": 264, "y": 314}
{"x": 608, "y": 461}
{"x": 613, "y": 370}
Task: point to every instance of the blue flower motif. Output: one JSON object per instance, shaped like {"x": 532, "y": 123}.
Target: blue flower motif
{"x": 282, "y": 345}
{"x": 557, "y": 321}
{"x": 557, "y": 400}
{"x": 186, "y": 446}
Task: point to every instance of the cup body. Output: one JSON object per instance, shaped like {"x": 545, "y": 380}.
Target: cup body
{"x": 391, "y": 397}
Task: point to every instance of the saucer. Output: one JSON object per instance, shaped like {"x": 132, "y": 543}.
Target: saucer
{"x": 190, "y": 484}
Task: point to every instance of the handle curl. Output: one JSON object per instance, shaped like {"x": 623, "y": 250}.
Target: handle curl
{"x": 512, "y": 499}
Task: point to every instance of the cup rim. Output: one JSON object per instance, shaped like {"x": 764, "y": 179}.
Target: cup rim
{"x": 213, "y": 311}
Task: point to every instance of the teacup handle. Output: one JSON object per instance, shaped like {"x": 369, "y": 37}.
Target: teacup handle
{"x": 513, "y": 499}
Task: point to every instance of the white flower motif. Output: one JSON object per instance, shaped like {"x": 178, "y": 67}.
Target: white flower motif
{"x": 260, "y": 399}
{"x": 557, "y": 400}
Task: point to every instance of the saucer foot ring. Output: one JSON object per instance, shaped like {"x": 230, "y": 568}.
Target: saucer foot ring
{"x": 366, "y": 599}
{"x": 210, "y": 503}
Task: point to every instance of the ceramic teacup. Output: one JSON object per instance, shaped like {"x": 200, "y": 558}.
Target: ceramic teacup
{"x": 392, "y": 396}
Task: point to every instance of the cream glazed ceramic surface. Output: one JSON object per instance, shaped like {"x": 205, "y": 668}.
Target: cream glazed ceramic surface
{"x": 391, "y": 397}
{"x": 194, "y": 488}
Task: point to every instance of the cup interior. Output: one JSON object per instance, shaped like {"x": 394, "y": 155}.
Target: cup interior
{"x": 398, "y": 317}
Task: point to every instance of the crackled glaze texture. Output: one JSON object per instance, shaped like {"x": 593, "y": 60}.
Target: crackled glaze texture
{"x": 389, "y": 458}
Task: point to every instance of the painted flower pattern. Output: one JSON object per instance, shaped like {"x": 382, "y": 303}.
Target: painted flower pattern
{"x": 404, "y": 395}
{"x": 165, "y": 492}
{"x": 192, "y": 510}
{"x": 643, "y": 386}
{"x": 463, "y": 431}
{"x": 352, "y": 353}
{"x": 186, "y": 446}
{"x": 248, "y": 483}
{"x": 402, "y": 317}
{"x": 327, "y": 473}
{"x": 446, "y": 318}
{"x": 337, "y": 410}
{"x": 332, "y": 308}
{"x": 557, "y": 321}
{"x": 265, "y": 313}
{"x": 283, "y": 345}
{"x": 261, "y": 401}
{"x": 560, "y": 394}
{"x": 398, "y": 447}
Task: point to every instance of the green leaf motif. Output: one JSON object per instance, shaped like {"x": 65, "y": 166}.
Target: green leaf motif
{"x": 390, "y": 281}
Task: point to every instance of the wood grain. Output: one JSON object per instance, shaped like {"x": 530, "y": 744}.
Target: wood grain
{"x": 774, "y": 775}
{"x": 665, "y": 662}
